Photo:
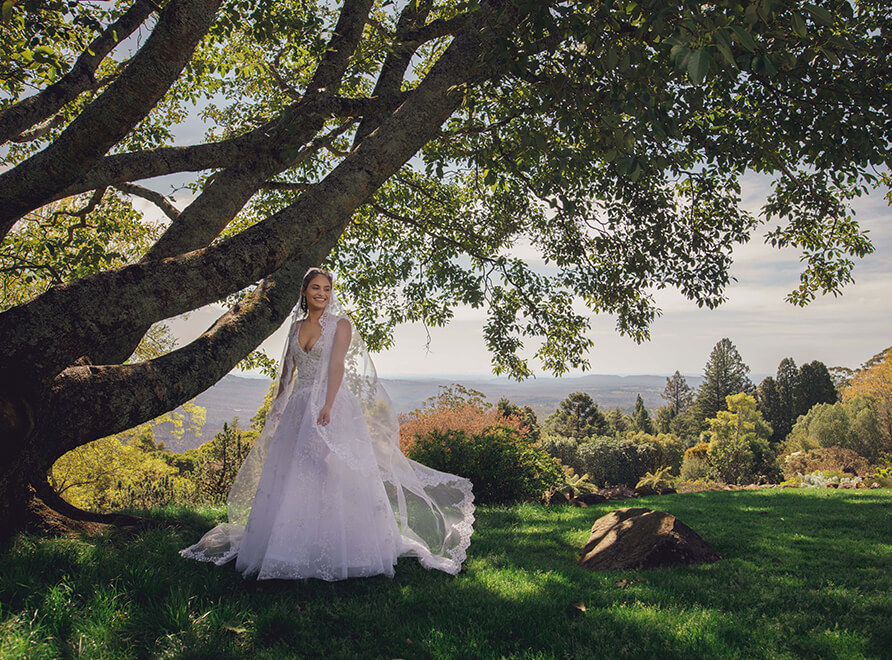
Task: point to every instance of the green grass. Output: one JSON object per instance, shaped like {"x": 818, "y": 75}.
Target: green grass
{"x": 807, "y": 573}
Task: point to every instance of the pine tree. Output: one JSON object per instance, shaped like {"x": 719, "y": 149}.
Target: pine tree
{"x": 678, "y": 394}
{"x": 794, "y": 393}
{"x": 620, "y": 421}
{"x": 787, "y": 387}
{"x": 815, "y": 386}
{"x": 641, "y": 418}
{"x": 770, "y": 406}
{"x": 577, "y": 417}
{"x": 725, "y": 373}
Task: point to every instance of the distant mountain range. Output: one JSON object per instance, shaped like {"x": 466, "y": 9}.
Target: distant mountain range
{"x": 237, "y": 396}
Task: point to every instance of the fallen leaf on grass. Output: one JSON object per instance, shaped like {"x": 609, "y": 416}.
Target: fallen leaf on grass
{"x": 579, "y": 605}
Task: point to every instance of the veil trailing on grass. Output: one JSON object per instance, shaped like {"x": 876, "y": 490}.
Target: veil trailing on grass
{"x": 433, "y": 510}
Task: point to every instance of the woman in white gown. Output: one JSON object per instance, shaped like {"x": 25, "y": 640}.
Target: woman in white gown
{"x": 326, "y": 492}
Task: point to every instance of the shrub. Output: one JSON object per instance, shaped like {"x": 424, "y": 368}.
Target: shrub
{"x": 575, "y": 484}
{"x": 459, "y": 409}
{"x": 612, "y": 462}
{"x": 738, "y": 443}
{"x": 732, "y": 460}
{"x": 695, "y": 467}
{"x": 659, "y": 480}
{"x": 565, "y": 450}
{"x": 822, "y": 459}
{"x": 502, "y": 465}
{"x": 881, "y": 476}
{"x": 668, "y": 448}
{"x": 851, "y": 425}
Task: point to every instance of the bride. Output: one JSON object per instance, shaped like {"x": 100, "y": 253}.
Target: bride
{"x": 326, "y": 492}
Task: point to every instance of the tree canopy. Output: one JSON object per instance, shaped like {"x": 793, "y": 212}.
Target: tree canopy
{"x": 578, "y": 416}
{"x": 793, "y": 393}
{"x": 410, "y": 147}
{"x": 725, "y": 374}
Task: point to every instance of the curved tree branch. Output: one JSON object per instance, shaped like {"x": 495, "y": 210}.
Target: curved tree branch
{"x": 87, "y": 400}
{"x": 41, "y": 129}
{"x": 19, "y": 117}
{"x": 156, "y": 198}
{"x": 138, "y": 165}
{"x": 37, "y": 337}
{"x": 395, "y": 64}
{"x": 230, "y": 190}
{"x": 112, "y": 115}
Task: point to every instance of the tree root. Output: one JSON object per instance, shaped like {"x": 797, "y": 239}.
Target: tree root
{"x": 49, "y": 514}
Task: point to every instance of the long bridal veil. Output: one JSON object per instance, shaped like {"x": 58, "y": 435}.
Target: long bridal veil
{"x": 433, "y": 509}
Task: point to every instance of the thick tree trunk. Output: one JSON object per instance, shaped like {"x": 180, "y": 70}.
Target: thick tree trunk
{"x": 49, "y": 408}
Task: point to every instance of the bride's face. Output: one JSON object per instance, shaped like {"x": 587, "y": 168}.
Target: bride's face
{"x": 318, "y": 292}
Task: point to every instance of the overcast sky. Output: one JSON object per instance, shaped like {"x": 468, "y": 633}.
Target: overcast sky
{"x": 842, "y": 331}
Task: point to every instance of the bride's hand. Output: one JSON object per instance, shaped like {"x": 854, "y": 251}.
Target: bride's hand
{"x": 324, "y": 416}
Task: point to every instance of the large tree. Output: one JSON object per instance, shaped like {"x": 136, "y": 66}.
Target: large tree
{"x": 579, "y": 417}
{"x": 609, "y": 136}
{"x": 793, "y": 393}
{"x": 678, "y": 394}
{"x": 725, "y": 374}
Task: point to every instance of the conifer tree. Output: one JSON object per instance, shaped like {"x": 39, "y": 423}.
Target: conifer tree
{"x": 577, "y": 417}
{"x": 641, "y": 418}
{"x": 678, "y": 394}
{"x": 725, "y": 374}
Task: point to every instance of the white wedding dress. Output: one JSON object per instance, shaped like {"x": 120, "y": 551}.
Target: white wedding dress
{"x": 337, "y": 501}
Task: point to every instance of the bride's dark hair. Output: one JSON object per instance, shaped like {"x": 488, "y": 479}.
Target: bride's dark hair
{"x": 313, "y": 272}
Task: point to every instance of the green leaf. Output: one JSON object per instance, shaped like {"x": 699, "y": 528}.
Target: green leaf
{"x": 724, "y": 50}
{"x": 821, "y": 15}
{"x": 698, "y": 66}
{"x": 6, "y": 10}
{"x": 744, "y": 38}
{"x": 798, "y": 24}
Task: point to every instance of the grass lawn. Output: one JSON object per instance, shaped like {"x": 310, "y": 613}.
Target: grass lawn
{"x": 807, "y": 573}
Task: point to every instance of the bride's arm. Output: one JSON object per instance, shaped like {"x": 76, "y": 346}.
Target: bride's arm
{"x": 339, "y": 348}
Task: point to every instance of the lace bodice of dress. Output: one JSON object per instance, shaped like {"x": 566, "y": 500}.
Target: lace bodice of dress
{"x": 307, "y": 363}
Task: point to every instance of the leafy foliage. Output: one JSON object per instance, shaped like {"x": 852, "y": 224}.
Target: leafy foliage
{"x": 615, "y": 461}
{"x": 116, "y": 472}
{"x": 685, "y": 97}
{"x": 829, "y": 459}
{"x": 129, "y": 469}
{"x": 874, "y": 380}
{"x": 793, "y": 393}
{"x": 501, "y": 464}
{"x": 457, "y": 408}
{"x": 659, "y": 480}
{"x": 852, "y": 425}
{"x": 577, "y": 416}
{"x": 738, "y": 442}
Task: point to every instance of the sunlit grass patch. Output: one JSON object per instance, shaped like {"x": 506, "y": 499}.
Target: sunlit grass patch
{"x": 804, "y": 574}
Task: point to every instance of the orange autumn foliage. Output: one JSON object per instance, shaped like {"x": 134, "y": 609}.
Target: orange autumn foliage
{"x": 874, "y": 380}
{"x": 471, "y": 418}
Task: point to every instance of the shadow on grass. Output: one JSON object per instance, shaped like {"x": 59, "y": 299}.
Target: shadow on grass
{"x": 805, "y": 574}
